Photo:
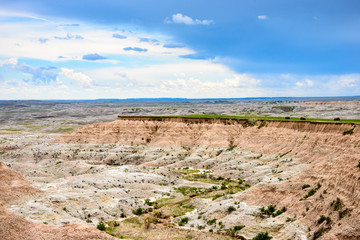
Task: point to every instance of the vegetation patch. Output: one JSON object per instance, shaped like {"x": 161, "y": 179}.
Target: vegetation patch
{"x": 324, "y": 218}
{"x": 350, "y": 131}
{"x": 262, "y": 236}
{"x": 61, "y": 130}
{"x": 101, "y": 226}
{"x": 271, "y": 211}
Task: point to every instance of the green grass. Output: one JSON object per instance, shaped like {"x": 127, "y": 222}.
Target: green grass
{"x": 61, "y": 130}
{"x": 10, "y": 129}
{"x": 207, "y": 116}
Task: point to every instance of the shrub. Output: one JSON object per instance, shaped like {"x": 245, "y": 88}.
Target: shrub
{"x": 231, "y": 209}
{"x": 262, "y": 124}
{"x": 211, "y": 222}
{"x": 101, "y": 226}
{"x": 310, "y": 193}
{"x": 217, "y": 196}
{"x": 262, "y": 236}
{"x": 238, "y": 227}
{"x": 305, "y": 186}
{"x": 336, "y": 204}
{"x": 358, "y": 165}
{"x": 148, "y": 202}
{"x": 183, "y": 221}
{"x": 349, "y": 132}
{"x": 324, "y": 218}
{"x": 138, "y": 211}
{"x": 271, "y": 211}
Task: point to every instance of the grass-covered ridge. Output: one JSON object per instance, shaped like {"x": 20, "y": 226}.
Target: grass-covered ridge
{"x": 296, "y": 119}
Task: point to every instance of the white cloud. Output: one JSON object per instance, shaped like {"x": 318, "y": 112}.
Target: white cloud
{"x": 20, "y": 39}
{"x": 183, "y": 19}
{"x": 77, "y": 76}
{"x": 349, "y": 81}
{"x": 309, "y": 82}
{"x": 10, "y": 61}
{"x": 305, "y": 83}
{"x": 241, "y": 80}
{"x": 262, "y": 17}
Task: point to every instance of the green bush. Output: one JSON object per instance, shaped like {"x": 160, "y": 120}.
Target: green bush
{"x": 271, "y": 211}
{"x": 231, "y": 209}
{"x": 349, "y": 132}
{"x": 336, "y": 204}
{"x": 238, "y": 227}
{"x": 138, "y": 211}
{"x": 183, "y": 221}
{"x": 324, "y": 218}
{"x": 101, "y": 226}
{"x": 305, "y": 186}
{"x": 211, "y": 222}
{"x": 262, "y": 236}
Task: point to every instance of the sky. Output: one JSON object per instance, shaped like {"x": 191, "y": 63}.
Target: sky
{"x": 179, "y": 49}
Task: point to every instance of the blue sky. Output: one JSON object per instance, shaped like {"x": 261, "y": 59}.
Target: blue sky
{"x": 196, "y": 49}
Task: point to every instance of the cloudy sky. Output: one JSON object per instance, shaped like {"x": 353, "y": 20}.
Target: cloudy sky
{"x": 191, "y": 48}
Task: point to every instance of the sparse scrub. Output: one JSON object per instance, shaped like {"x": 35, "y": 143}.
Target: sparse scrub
{"x": 217, "y": 196}
{"x": 211, "y": 222}
{"x": 271, "y": 211}
{"x": 138, "y": 211}
{"x": 238, "y": 227}
{"x": 262, "y": 236}
{"x": 183, "y": 221}
{"x": 305, "y": 186}
{"x": 324, "y": 218}
{"x": 231, "y": 209}
{"x": 350, "y": 131}
{"x": 262, "y": 124}
{"x": 336, "y": 204}
{"x": 312, "y": 191}
{"x": 101, "y": 226}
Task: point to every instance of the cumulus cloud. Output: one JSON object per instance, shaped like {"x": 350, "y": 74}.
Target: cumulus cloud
{"x": 349, "y": 81}
{"x": 117, "y": 35}
{"x": 238, "y": 81}
{"x": 262, "y": 17}
{"x": 183, "y": 19}
{"x": 136, "y": 49}
{"x": 241, "y": 80}
{"x": 68, "y": 37}
{"x": 174, "y": 45}
{"x": 10, "y": 61}
{"x": 93, "y": 57}
{"x": 306, "y": 83}
{"x": 77, "y": 76}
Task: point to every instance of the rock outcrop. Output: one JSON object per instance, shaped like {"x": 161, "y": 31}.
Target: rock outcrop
{"x": 332, "y": 157}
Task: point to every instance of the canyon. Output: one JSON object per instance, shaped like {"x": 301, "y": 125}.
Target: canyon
{"x": 163, "y": 177}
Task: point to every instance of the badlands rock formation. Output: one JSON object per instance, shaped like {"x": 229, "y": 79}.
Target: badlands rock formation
{"x": 14, "y": 187}
{"x": 326, "y": 181}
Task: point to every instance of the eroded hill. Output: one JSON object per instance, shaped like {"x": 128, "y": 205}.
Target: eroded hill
{"x": 152, "y": 178}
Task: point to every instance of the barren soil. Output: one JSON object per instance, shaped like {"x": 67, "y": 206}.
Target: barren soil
{"x": 65, "y": 169}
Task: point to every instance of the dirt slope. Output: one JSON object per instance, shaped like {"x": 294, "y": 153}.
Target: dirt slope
{"x": 13, "y": 187}
{"x": 332, "y": 157}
